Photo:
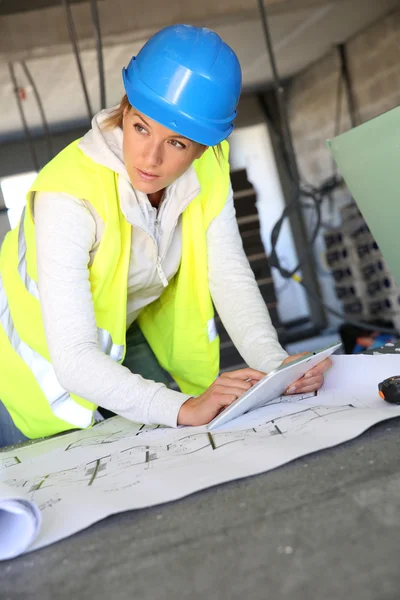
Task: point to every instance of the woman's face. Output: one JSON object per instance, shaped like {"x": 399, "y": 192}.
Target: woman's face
{"x": 154, "y": 156}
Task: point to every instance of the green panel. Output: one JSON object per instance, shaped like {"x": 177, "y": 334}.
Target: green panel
{"x": 368, "y": 158}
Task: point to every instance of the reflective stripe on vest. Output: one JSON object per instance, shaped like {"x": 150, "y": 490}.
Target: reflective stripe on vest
{"x": 62, "y": 405}
{"x": 108, "y": 347}
{"x": 114, "y": 351}
{"x": 30, "y": 284}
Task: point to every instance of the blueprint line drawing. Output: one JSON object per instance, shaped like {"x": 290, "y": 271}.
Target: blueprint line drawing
{"x": 136, "y": 460}
{"x": 96, "y": 440}
{"x": 296, "y": 421}
{"x": 82, "y": 477}
{"x": 9, "y": 462}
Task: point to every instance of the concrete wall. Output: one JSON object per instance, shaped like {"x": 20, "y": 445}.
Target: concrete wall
{"x": 374, "y": 58}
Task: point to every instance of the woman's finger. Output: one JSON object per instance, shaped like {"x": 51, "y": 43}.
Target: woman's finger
{"x": 302, "y": 386}
{"x": 236, "y": 387}
{"x": 319, "y": 368}
{"x": 229, "y": 384}
{"x": 244, "y": 374}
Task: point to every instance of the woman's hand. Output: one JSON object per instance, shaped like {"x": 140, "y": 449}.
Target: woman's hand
{"x": 226, "y": 389}
{"x": 310, "y": 381}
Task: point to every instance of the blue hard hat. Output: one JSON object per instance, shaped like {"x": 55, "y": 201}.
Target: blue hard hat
{"x": 187, "y": 79}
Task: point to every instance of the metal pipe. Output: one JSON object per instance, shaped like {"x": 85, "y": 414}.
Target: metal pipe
{"x": 74, "y": 41}
{"x": 99, "y": 47}
{"x": 27, "y": 133}
{"x": 46, "y": 129}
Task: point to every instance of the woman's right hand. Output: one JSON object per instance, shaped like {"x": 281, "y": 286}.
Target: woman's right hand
{"x": 227, "y": 388}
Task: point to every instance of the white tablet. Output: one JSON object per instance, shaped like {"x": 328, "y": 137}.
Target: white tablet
{"x": 273, "y": 385}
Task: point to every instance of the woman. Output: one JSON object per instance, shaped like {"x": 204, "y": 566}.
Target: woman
{"x": 128, "y": 237}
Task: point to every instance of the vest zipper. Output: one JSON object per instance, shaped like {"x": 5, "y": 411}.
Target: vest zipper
{"x": 159, "y": 268}
{"x": 157, "y": 231}
{"x": 161, "y": 273}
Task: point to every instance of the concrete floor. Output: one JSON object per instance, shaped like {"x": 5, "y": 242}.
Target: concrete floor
{"x": 325, "y": 527}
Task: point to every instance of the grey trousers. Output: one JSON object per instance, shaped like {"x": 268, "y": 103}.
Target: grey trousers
{"x": 9, "y": 433}
{"x": 139, "y": 359}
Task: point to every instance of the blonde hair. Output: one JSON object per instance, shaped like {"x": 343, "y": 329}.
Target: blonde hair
{"x": 116, "y": 117}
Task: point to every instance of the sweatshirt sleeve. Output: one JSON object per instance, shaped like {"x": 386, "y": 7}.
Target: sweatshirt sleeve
{"x": 236, "y": 295}
{"x": 65, "y": 235}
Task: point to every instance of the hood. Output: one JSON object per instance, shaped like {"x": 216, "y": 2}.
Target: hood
{"x": 104, "y": 147}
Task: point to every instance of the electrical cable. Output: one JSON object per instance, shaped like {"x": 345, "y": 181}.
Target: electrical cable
{"x": 338, "y": 114}
{"x": 273, "y": 256}
{"x": 46, "y": 129}
{"x": 314, "y": 194}
{"x": 94, "y": 11}
{"x": 27, "y": 132}
{"x": 338, "y": 111}
{"x": 74, "y": 41}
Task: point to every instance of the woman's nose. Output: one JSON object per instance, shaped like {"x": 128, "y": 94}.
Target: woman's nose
{"x": 153, "y": 155}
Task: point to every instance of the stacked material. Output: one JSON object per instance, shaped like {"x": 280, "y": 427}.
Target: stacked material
{"x": 363, "y": 281}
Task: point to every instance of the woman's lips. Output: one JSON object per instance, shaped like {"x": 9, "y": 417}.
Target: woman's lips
{"x": 146, "y": 176}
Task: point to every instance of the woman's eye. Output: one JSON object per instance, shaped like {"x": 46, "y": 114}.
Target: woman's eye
{"x": 139, "y": 128}
{"x": 177, "y": 144}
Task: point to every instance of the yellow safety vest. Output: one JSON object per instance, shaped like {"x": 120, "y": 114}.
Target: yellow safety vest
{"x": 179, "y": 326}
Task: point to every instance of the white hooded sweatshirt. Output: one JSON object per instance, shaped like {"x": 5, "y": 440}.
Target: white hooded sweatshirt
{"x": 68, "y": 233}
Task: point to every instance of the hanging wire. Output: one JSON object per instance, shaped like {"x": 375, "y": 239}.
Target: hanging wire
{"x": 99, "y": 48}
{"x": 46, "y": 129}
{"x": 74, "y": 40}
{"x": 338, "y": 114}
{"x": 280, "y": 93}
{"x": 338, "y": 111}
{"x": 27, "y": 132}
{"x": 344, "y": 66}
{"x": 298, "y": 193}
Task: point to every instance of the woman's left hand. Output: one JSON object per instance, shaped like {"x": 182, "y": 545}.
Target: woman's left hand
{"x": 310, "y": 381}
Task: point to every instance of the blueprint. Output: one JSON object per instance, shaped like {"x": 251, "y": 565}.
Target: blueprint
{"x": 79, "y": 478}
